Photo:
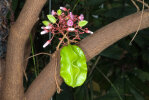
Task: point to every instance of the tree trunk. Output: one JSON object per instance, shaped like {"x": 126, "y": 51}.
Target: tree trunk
{"x": 2, "y": 69}
{"x": 43, "y": 87}
{"x": 4, "y": 9}
{"x": 19, "y": 34}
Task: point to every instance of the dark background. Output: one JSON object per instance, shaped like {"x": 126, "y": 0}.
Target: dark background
{"x": 121, "y": 72}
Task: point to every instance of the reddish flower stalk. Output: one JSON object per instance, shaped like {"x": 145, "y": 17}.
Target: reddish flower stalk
{"x": 65, "y": 23}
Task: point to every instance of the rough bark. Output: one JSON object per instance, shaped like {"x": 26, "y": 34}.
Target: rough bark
{"x": 43, "y": 87}
{"x": 4, "y": 30}
{"x": 19, "y": 33}
{"x": 2, "y": 69}
{"x": 42, "y": 92}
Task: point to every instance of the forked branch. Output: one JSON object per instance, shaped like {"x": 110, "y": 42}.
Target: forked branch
{"x": 44, "y": 85}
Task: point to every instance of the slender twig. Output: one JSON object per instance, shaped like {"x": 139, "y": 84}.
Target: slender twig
{"x": 42, "y": 53}
{"x": 98, "y": 58}
{"x": 110, "y": 83}
{"x": 75, "y": 5}
{"x": 57, "y": 85}
{"x": 31, "y": 57}
{"x": 138, "y": 9}
{"x": 145, "y": 4}
{"x": 139, "y": 25}
{"x": 57, "y": 49}
{"x": 25, "y": 75}
{"x": 68, "y": 40}
{"x": 64, "y": 36}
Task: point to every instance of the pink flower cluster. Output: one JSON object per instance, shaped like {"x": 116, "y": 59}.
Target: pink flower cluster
{"x": 65, "y": 22}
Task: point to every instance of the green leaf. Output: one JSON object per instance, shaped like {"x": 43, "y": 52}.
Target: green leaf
{"x": 59, "y": 12}
{"x": 14, "y": 4}
{"x": 46, "y": 23}
{"x": 51, "y": 18}
{"x": 113, "y": 52}
{"x": 144, "y": 76}
{"x": 141, "y": 87}
{"x": 136, "y": 94}
{"x": 73, "y": 65}
{"x": 82, "y": 23}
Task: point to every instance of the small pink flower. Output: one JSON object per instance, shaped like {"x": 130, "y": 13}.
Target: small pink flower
{"x": 53, "y": 12}
{"x": 66, "y": 22}
{"x": 88, "y": 31}
{"x": 60, "y": 38}
{"x": 70, "y": 29}
{"x": 47, "y": 43}
{"x": 47, "y": 27}
{"x": 81, "y": 17}
{"x": 71, "y": 16}
{"x": 63, "y": 8}
{"x": 70, "y": 22}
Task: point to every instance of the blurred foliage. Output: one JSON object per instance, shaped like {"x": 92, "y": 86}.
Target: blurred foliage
{"x": 4, "y": 9}
{"x": 122, "y": 67}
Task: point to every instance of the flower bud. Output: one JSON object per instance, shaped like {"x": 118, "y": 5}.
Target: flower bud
{"x": 47, "y": 43}
{"x": 71, "y": 16}
{"x": 46, "y": 28}
{"x": 81, "y": 17}
{"x": 44, "y": 32}
{"x": 63, "y": 8}
{"x": 70, "y": 29}
{"x": 88, "y": 31}
{"x": 53, "y": 12}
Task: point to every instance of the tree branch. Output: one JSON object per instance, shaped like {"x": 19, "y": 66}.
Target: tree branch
{"x": 43, "y": 87}
{"x": 19, "y": 33}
